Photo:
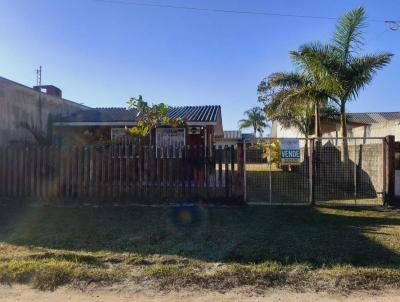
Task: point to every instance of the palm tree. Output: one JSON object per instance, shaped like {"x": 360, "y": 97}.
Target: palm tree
{"x": 256, "y": 119}
{"x": 286, "y": 105}
{"x": 338, "y": 65}
{"x": 301, "y": 88}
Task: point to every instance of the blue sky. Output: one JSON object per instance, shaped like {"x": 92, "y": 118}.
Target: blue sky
{"x": 101, "y": 54}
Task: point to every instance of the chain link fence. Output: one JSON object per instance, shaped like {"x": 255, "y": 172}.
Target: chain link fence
{"x": 329, "y": 171}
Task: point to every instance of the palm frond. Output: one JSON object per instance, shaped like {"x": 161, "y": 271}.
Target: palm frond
{"x": 362, "y": 70}
{"x": 287, "y": 79}
{"x": 348, "y": 37}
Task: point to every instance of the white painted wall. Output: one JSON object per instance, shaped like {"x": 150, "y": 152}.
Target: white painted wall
{"x": 277, "y": 130}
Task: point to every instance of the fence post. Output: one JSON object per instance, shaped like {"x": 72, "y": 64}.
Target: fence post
{"x": 240, "y": 181}
{"x": 312, "y": 168}
{"x": 389, "y": 168}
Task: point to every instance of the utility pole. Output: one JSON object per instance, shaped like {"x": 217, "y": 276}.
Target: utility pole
{"x": 39, "y": 83}
{"x": 39, "y": 76}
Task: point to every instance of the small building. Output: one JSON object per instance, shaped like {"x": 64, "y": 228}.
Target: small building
{"x": 233, "y": 137}
{"x": 202, "y": 125}
{"x": 23, "y": 107}
{"x": 363, "y": 125}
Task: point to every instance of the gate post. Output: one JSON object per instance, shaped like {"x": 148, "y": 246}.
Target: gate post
{"x": 311, "y": 170}
{"x": 389, "y": 169}
{"x": 240, "y": 183}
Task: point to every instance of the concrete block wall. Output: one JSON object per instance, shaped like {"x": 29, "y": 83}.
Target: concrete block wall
{"x": 19, "y": 103}
{"x": 363, "y": 172}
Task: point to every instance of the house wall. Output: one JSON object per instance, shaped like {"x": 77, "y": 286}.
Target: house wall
{"x": 330, "y": 129}
{"x": 226, "y": 142}
{"x": 81, "y": 135}
{"x": 21, "y": 104}
{"x": 70, "y": 135}
{"x": 279, "y": 131}
{"x": 374, "y": 130}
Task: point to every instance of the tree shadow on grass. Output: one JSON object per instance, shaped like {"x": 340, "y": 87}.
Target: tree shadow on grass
{"x": 317, "y": 236}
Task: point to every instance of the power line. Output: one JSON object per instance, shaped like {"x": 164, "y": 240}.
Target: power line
{"x": 227, "y": 11}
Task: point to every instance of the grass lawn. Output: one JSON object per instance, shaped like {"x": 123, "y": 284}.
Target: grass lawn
{"x": 316, "y": 248}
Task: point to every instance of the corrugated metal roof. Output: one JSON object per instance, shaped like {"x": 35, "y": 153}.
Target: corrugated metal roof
{"x": 247, "y": 136}
{"x": 232, "y": 134}
{"x": 372, "y": 117}
{"x": 104, "y": 115}
{"x": 196, "y": 113}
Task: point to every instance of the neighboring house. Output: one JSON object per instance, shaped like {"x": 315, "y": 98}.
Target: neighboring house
{"x": 202, "y": 125}
{"x": 75, "y": 123}
{"x": 20, "y": 104}
{"x": 232, "y": 138}
{"x": 373, "y": 124}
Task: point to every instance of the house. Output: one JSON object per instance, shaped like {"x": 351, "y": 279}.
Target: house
{"x": 232, "y": 138}
{"x": 22, "y": 107}
{"x": 202, "y": 125}
{"x": 363, "y": 125}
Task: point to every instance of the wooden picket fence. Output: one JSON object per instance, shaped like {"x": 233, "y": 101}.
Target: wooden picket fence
{"x": 122, "y": 173}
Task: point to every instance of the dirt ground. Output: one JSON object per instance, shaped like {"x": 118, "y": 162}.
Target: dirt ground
{"x": 25, "y": 293}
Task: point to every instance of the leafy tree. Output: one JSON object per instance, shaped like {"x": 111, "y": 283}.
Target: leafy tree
{"x": 272, "y": 152}
{"x": 255, "y": 119}
{"x": 150, "y": 116}
{"x": 339, "y": 66}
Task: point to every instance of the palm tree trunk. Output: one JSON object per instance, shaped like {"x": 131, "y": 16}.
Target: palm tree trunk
{"x": 343, "y": 132}
{"x": 306, "y": 156}
{"x": 318, "y": 131}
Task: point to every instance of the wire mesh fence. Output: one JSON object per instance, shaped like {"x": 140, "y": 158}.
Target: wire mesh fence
{"x": 329, "y": 171}
{"x": 349, "y": 171}
{"x": 269, "y": 181}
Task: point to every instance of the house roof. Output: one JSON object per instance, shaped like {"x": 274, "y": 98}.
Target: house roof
{"x": 372, "y": 117}
{"x": 122, "y": 116}
{"x": 233, "y": 134}
{"x": 196, "y": 113}
{"x": 236, "y": 135}
{"x": 95, "y": 115}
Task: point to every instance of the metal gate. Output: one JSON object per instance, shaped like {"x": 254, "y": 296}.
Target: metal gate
{"x": 336, "y": 171}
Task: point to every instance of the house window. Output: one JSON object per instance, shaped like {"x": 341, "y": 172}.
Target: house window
{"x": 166, "y": 137}
{"x": 117, "y": 133}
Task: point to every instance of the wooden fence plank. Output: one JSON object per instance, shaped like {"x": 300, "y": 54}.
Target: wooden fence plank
{"x": 134, "y": 174}
{"x": 2, "y": 171}
{"x": 226, "y": 161}
{"x": 120, "y": 172}
{"x": 109, "y": 174}
{"x": 128, "y": 172}
{"x": 233, "y": 173}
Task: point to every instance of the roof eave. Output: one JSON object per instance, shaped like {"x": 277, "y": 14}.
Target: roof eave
{"x": 128, "y": 123}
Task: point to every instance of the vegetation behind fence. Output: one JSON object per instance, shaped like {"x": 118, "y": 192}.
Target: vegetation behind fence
{"x": 122, "y": 173}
